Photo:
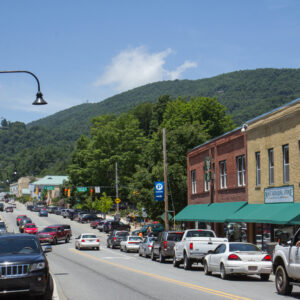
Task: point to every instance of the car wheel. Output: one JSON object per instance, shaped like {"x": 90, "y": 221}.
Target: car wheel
{"x": 186, "y": 263}
{"x": 107, "y": 245}
{"x": 205, "y": 266}
{"x": 126, "y": 250}
{"x": 98, "y": 248}
{"x": 54, "y": 241}
{"x": 224, "y": 276}
{"x": 176, "y": 263}
{"x": 112, "y": 246}
{"x": 48, "y": 292}
{"x": 67, "y": 239}
{"x": 282, "y": 281}
{"x": 153, "y": 256}
{"x": 161, "y": 259}
{"x": 264, "y": 277}
{"x": 121, "y": 249}
{"x": 140, "y": 254}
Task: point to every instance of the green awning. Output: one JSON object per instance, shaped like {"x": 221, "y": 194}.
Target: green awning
{"x": 215, "y": 212}
{"x": 277, "y": 213}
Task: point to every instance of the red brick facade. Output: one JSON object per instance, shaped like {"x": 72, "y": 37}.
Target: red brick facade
{"x": 222, "y": 149}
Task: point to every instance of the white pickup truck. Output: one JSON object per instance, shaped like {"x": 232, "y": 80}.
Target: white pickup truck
{"x": 286, "y": 265}
{"x": 194, "y": 245}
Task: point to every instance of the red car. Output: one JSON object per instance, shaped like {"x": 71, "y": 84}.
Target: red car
{"x": 19, "y": 217}
{"x": 53, "y": 234}
{"x": 30, "y": 228}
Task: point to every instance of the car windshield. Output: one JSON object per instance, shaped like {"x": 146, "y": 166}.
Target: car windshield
{"x": 243, "y": 247}
{"x": 122, "y": 233}
{"x": 30, "y": 226}
{"x": 2, "y": 226}
{"x": 88, "y": 236}
{"x": 18, "y": 246}
{"x": 135, "y": 238}
{"x": 175, "y": 236}
{"x": 199, "y": 233}
{"x": 49, "y": 230}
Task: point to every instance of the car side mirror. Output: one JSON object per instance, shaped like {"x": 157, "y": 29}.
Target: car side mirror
{"x": 47, "y": 248}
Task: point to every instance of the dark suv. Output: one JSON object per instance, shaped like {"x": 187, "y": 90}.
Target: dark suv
{"x": 24, "y": 267}
{"x": 115, "y": 225}
{"x": 115, "y": 238}
{"x": 163, "y": 247}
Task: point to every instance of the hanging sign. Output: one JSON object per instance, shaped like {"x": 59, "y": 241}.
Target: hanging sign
{"x": 159, "y": 190}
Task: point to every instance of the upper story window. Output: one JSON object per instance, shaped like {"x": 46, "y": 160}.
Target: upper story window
{"x": 240, "y": 166}
{"x": 286, "y": 163}
{"x": 193, "y": 180}
{"x": 206, "y": 181}
{"x": 271, "y": 166}
{"x": 223, "y": 174}
{"x": 257, "y": 159}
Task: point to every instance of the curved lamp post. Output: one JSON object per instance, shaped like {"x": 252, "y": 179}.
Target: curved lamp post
{"x": 39, "y": 96}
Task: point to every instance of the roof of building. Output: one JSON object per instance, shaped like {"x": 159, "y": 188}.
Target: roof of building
{"x": 248, "y": 122}
{"x": 51, "y": 180}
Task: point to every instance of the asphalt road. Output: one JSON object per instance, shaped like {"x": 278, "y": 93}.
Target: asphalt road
{"x": 111, "y": 274}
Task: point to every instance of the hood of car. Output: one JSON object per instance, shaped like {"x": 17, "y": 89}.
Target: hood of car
{"x": 21, "y": 258}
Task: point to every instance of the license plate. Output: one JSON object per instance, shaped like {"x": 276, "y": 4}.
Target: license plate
{"x": 90, "y": 240}
{"x": 252, "y": 268}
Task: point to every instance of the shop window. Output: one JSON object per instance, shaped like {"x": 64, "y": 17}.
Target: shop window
{"x": 286, "y": 163}
{"x": 257, "y": 158}
{"x": 223, "y": 174}
{"x": 271, "y": 166}
{"x": 193, "y": 179}
{"x": 240, "y": 166}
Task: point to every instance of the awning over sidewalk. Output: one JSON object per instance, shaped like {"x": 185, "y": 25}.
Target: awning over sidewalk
{"x": 277, "y": 213}
{"x": 215, "y": 212}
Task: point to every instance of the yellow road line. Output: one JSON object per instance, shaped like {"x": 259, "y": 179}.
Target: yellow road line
{"x": 166, "y": 279}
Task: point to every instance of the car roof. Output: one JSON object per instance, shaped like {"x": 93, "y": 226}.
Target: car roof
{"x": 17, "y": 235}
{"x": 88, "y": 233}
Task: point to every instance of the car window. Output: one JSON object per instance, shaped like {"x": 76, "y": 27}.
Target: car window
{"x": 30, "y": 226}
{"x": 199, "y": 233}
{"x": 134, "y": 238}
{"x": 19, "y": 246}
{"x": 48, "y": 230}
{"x": 175, "y": 236}
{"x": 88, "y": 236}
{"x": 243, "y": 247}
{"x": 220, "y": 249}
{"x": 122, "y": 233}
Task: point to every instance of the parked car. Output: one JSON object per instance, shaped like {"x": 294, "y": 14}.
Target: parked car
{"x": 25, "y": 265}
{"x": 23, "y": 222}
{"x": 1, "y": 206}
{"x": 53, "y": 234}
{"x": 13, "y": 204}
{"x": 152, "y": 228}
{"x": 29, "y": 207}
{"x": 2, "y": 228}
{"x": 238, "y": 258}
{"x": 95, "y": 222}
{"x": 100, "y": 225}
{"x": 88, "y": 218}
{"x": 87, "y": 240}
{"x": 163, "y": 247}
{"x": 51, "y": 209}
{"x": 9, "y": 209}
{"x": 146, "y": 246}
{"x": 115, "y": 225}
{"x": 30, "y": 228}
{"x": 194, "y": 245}
{"x": 115, "y": 238}
{"x": 43, "y": 213}
{"x": 131, "y": 243}
{"x": 19, "y": 218}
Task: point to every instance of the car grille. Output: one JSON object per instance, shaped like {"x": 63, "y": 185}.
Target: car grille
{"x": 44, "y": 236}
{"x": 10, "y": 271}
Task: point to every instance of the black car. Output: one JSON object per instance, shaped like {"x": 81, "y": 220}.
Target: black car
{"x": 24, "y": 267}
{"x": 23, "y": 222}
{"x": 43, "y": 213}
{"x": 1, "y": 207}
{"x": 88, "y": 218}
{"x": 115, "y": 225}
{"x": 29, "y": 207}
{"x": 115, "y": 238}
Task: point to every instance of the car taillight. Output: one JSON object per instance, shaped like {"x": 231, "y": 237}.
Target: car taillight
{"x": 191, "y": 246}
{"x": 98, "y": 241}
{"x": 165, "y": 244}
{"x": 82, "y": 241}
{"x": 233, "y": 257}
{"x": 114, "y": 238}
{"x": 130, "y": 242}
{"x": 149, "y": 246}
{"x": 267, "y": 258}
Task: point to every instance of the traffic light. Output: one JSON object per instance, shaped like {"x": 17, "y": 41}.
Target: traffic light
{"x": 69, "y": 192}
{"x": 91, "y": 191}
{"x": 66, "y": 191}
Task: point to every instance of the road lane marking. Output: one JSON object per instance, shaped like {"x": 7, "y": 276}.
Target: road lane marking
{"x": 166, "y": 279}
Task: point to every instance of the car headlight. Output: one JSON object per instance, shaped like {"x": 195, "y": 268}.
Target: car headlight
{"x": 37, "y": 266}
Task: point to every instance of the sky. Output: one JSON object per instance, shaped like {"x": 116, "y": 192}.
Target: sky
{"x": 86, "y": 51}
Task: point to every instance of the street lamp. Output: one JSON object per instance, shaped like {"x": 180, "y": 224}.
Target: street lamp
{"x": 39, "y": 96}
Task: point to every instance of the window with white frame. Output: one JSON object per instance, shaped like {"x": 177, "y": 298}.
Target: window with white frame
{"x": 271, "y": 166}
{"x": 193, "y": 179}
{"x": 257, "y": 158}
{"x": 240, "y": 166}
{"x": 206, "y": 182}
{"x": 223, "y": 174}
{"x": 286, "y": 163}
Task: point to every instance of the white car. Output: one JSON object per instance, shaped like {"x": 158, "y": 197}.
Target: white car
{"x": 13, "y": 204}
{"x": 238, "y": 258}
{"x": 87, "y": 240}
{"x": 131, "y": 243}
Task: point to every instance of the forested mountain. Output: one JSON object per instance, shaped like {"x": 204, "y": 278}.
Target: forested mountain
{"x": 45, "y": 145}
{"x": 245, "y": 94}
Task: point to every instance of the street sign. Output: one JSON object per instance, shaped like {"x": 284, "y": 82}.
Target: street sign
{"x": 159, "y": 190}
{"x": 81, "y": 189}
{"x": 49, "y": 188}
{"x": 118, "y": 200}
{"x": 97, "y": 189}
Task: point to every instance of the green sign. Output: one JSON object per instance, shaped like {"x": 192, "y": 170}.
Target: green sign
{"x": 49, "y": 188}
{"x": 81, "y": 189}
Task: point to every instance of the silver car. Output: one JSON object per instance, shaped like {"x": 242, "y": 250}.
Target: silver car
{"x": 238, "y": 258}
{"x": 146, "y": 246}
{"x": 87, "y": 240}
{"x": 131, "y": 243}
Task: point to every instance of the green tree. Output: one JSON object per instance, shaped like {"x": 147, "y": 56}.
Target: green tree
{"x": 106, "y": 203}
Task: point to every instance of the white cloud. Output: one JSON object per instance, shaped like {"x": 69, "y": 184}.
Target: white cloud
{"x": 135, "y": 67}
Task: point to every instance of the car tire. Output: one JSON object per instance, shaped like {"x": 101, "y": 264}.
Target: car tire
{"x": 205, "y": 266}
{"x": 67, "y": 239}
{"x": 107, "y": 245}
{"x": 126, "y": 250}
{"x": 54, "y": 241}
{"x": 161, "y": 259}
{"x": 140, "y": 254}
{"x": 98, "y": 248}
{"x": 176, "y": 263}
{"x": 282, "y": 281}
{"x": 49, "y": 290}
{"x": 224, "y": 276}
{"x": 153, "y": 258}
{"x": 186, "y": 263}
{"x": 264, "y": 277}
{"x": 121, "y": 249}
{"x": 112, "y": 246}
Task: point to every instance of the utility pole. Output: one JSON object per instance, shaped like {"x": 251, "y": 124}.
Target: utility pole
{"x": 165, "y": 181}
{"x": 117, "y": 189}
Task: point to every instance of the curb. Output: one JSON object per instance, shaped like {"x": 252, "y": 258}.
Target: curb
{"x": 55, "y": 295}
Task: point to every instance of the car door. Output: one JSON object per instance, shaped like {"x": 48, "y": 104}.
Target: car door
{"x": 216, "y": 257}
{"x": 295, "y": 256}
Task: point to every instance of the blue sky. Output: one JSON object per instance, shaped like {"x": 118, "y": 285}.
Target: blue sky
{"x": 90, "y": 50}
